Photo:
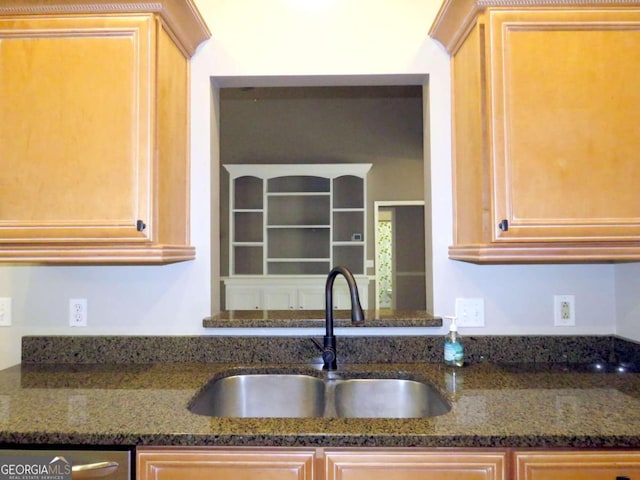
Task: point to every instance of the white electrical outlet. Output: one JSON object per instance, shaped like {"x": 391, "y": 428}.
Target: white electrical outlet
{"x": 5, "y": 311}
{"x": 470, "y": 312}
{"x": 564, "y": 314}
{"x": 78, "y": 312}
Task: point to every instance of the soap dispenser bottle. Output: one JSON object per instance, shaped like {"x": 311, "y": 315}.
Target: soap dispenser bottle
{"x": 453, "y": 348}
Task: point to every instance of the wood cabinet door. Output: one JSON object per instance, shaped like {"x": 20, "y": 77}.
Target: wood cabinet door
{"x": 224, "y": 464}
{"x": 75, "y": 135}
{"x": 564, "y": 99}
{"x": 577, "y": 465}
{"x": 415, "y": 464}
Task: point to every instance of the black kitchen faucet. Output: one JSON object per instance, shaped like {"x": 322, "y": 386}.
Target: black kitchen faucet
{"x": 329, "y": 356}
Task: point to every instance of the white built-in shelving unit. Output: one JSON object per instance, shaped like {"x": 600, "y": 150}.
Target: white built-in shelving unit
{"x": 289, "y": 225}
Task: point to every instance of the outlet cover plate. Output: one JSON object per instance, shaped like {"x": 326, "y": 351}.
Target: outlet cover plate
{"x": 77, "y": 312}
{"x": 564, "y": 310}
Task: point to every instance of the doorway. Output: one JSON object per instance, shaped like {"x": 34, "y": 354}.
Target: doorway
{"x": 400, "y": 261}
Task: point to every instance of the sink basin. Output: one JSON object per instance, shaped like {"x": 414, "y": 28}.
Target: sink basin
{"x": 262, "y": 395}
{"x": 288, "y": 395}
{"x": 387, "y": 398}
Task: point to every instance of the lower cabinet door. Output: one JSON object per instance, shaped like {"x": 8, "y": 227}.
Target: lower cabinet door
{"x": 311, "y": 298}
{"x": 414, "y": 464}
{"x": 578, "y": 465}
{"x": 191, "y": 463}
{"x": 279, "y": 298}
{"x": 243, "y": 298}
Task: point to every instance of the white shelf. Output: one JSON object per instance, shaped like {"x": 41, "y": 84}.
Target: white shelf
{"x": 274, "y": 170}
{"x": 298, "y": 226}
{"x": 293, "y": 260}
{"x": 298, "y": 194}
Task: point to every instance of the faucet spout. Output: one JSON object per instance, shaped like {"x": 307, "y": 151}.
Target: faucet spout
{"x": 329, "y": 356}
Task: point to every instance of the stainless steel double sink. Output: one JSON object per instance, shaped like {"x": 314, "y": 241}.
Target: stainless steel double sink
{"x": 298, "y": 395}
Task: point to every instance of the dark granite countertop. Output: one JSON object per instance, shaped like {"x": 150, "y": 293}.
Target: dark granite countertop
{"x": 315, "y": 318}
{"x": 146, "y": 404}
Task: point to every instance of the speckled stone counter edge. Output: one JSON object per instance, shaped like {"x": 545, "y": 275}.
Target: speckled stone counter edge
{"x": 351, "y": 349}
{"x": 315, "y": 318}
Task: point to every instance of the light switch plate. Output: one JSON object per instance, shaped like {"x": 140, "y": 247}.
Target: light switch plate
{"x": 470, "y": 312}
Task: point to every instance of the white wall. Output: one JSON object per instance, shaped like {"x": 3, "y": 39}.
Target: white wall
{"x": 295, "y": 42}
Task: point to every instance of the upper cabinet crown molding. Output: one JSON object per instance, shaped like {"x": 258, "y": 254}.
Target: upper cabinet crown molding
{"x": 181, "y": 16}
{"x": 456, "y": 17}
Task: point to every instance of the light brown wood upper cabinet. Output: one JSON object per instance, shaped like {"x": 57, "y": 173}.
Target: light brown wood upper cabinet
{"x": 546, "y": 129}
{"x": 94, "y": 131}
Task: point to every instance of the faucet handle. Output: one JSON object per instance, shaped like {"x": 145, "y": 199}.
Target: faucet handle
{"x": 317, "y": 344}
{"x": 329, "y": 359}
{"x": 329, "y": 355}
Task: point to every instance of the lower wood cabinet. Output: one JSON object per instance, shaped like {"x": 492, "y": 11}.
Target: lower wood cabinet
{"x": 196, "y": 463}
{"x": 577, "y": 465}
{"x": 280, "y": 463}
{"x": 414, "y": 464}
{"x": 271, "y": 463}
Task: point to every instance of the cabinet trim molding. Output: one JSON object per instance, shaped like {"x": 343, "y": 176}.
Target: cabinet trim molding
{"x": 456, "y": 17}
{"x": 142, "y": 254}
{"x": 181, "y": 16}
{"x": 551, "y": 252}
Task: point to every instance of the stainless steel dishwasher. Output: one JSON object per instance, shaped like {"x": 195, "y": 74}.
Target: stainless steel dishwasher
{"x": 48, "y": 463}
